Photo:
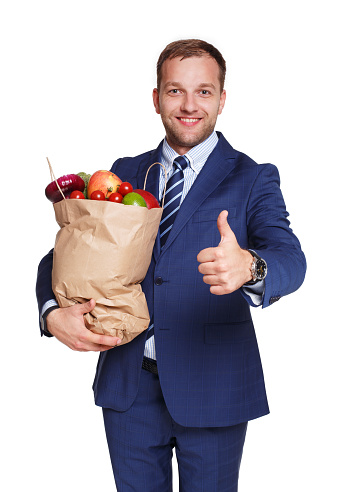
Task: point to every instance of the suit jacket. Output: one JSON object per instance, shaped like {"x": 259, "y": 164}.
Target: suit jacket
{"x": 207, "y": 354}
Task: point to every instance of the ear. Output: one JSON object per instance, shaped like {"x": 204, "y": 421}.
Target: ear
{"x": 156, "y": 99}
{"x": 222, "y": 101}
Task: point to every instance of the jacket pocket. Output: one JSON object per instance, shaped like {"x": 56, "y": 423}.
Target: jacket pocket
{"x": 217, "y": 333}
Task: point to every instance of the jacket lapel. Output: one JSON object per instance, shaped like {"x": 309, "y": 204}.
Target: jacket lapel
{"x": 219, "y": 164}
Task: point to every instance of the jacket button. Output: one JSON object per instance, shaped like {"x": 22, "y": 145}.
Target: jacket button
{"x": 158, "y": 280}
{"x": 272, "y": 300}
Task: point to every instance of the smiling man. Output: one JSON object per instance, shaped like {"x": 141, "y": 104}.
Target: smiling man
{"x": 189, "y": 98}
{"x": 194, "y": 379}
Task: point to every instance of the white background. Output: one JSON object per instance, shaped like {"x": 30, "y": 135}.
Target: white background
{"x": 76, "y": 86}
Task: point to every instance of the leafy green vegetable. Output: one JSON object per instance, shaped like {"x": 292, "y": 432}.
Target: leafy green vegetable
{"x": 85, "y": 177}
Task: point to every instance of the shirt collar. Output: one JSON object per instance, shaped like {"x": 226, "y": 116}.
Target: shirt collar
{"x": 197, "y": 155}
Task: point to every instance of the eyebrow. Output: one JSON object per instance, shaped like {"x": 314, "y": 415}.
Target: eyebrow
{"x": 201, "y": 86}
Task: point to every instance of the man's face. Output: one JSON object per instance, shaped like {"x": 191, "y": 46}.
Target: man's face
{"x": 189, "y": 100}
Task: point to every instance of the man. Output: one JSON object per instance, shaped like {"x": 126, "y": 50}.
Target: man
{"x": 194, "y": 379}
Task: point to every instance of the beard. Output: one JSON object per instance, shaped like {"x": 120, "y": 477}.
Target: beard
{"x": 189, "y": 136}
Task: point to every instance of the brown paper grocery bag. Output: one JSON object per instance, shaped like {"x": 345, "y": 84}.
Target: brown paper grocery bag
{"x": 103, "y": 251}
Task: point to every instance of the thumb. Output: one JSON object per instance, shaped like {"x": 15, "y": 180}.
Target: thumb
{"x": 86, "y": 307}
{"x": 224, "y": 228}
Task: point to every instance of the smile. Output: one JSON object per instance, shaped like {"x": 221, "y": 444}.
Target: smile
{"x": 189, "y": 121}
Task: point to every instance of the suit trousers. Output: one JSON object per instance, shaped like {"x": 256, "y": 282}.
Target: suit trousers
{"x": 141, "y": 442}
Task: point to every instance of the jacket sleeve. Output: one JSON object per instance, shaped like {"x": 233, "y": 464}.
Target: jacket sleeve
{"x": 270, "y": 235}
{"x": 43, "y": 286}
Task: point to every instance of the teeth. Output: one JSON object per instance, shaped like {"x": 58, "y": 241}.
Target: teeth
{"x": 189, "y": 120}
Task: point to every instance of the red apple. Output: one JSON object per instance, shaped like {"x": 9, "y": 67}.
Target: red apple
{"x": 151, "y": 201}
{"x": 105, "y": 181}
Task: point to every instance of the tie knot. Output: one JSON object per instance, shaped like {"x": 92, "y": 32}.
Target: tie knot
{"x": 181, "y": 162}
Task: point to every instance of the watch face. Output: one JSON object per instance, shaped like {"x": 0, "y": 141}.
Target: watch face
{"x": 261, "y": 269}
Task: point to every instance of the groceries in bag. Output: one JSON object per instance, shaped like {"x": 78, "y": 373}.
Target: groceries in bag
{"x": 102, "y": 251}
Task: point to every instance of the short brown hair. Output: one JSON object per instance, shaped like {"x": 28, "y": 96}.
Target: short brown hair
{"x": 186, "y": 48}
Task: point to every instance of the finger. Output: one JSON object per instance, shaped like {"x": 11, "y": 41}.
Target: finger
{"x": 97, "y": 348}
{"x": 86, "y": 307}
{"x": 89, "y": 342}
{"x": 224, "y": 228}
{"x": 205, "y": 255}
{"x": 218, "y": 266}
{"x": 105, "y": 340}
{"x": 210, "y": 268}
{"x": 211, "y": 279}
{"x": 218, "y": 290}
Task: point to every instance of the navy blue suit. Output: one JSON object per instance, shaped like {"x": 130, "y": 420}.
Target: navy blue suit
{"x": 207, "y": 355}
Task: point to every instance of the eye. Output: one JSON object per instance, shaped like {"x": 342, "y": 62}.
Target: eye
{"x": 174, "y": 91}
{"x": 205, "y": 92}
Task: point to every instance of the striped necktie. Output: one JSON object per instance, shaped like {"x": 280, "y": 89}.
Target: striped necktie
{"x": 173, "y": 196}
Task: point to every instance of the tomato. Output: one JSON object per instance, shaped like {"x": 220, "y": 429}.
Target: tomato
{"x": 97, "y": 195}
{"x": 125, "y": 188}
{"x": 115, "y": 197}
{"x": 77, "y": 194}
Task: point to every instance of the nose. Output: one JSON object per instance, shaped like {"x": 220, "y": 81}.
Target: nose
{"x": 189, "y": 104}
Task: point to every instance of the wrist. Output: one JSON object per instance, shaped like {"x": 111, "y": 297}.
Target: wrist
{"x": 248, "y": 265}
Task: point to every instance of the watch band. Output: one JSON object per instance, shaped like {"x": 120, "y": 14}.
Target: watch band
{"x": 254, "y": 254}
{"x": 43, "y": 319}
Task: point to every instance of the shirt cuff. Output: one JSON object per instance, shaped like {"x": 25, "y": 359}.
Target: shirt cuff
{"x": 47, "y": 308}
{"x": 255, "y": 292}
{"x": 47, "y": 305}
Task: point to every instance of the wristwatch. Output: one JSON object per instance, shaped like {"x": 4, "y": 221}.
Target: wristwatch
{"x": 258, "y": 268}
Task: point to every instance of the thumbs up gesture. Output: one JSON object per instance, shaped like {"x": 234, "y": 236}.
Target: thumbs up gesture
{"x": 226, "y": 267}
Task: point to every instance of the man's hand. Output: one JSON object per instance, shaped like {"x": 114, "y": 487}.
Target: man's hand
{"x": 67, "y": 325}
{"x": 226, "y": 267}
